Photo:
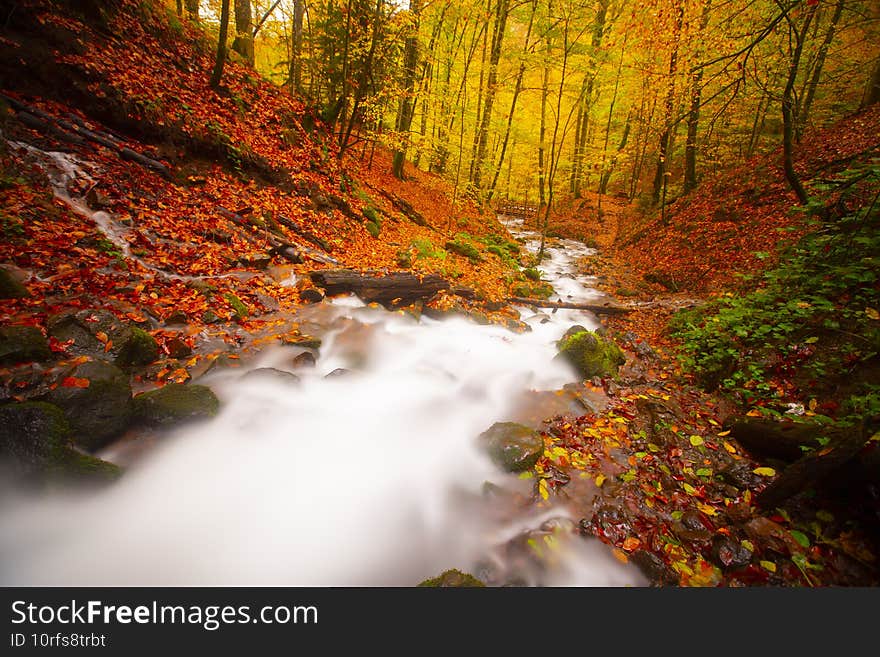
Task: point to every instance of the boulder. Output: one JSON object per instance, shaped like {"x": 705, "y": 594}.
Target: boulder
{"x": 100, "y": 411}
{"x": 176, "y": 403}
{"x": 452, "y": 578}
{"x": 34, "y": 434}
{"x": 270, "y": 374}
{"x": 305, "y": 359}
{"x": 91, "y": 331}
{"x": 10, "y": 286}
{"x": 513, "y": 447}
{"x": 19, "y": 344}
{"x": 590, "y": 354}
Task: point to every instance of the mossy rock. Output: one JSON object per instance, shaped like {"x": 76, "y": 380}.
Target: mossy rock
{"x": 19, "y": 344}
{"x": 512, "y": 447}
{"x": 99, "y": 412}
{"x": 590, "y": 354}
{"x": 77, "y": 465}
{"x": 241, "y": 310}
{"x": 176, "y": 403}
{"x": 141, "y": 349}
{"x": 34, "y": 434}
{"x": 373, "y": 229}
{"x": 11, "y": 287}
{"x": 464, "y": 249}
{"x": 452, "y": 578}
{"x": 372, "y": 215}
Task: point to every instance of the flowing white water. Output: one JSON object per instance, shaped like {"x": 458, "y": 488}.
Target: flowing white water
{"x": 371, "y": 478}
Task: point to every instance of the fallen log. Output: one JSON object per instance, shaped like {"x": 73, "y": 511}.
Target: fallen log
{"x": 36, "y": 123}
{"x": 290, "y": 224}
{"x": 393, "y": 290}
{"x": 406, "y": 208}
{"x": 143, "y": 160}
{"x": 814, "y": 468}
{"x": 599, "y": 309}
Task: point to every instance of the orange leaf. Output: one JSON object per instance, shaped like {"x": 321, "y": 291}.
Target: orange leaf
{"x": 75, "y": 382}
{"x": 102, "y": 337}
{"x": 631, "y": 543}
{"x": 108, "y": 346}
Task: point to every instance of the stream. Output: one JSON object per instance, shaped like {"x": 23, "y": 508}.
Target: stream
{"x": 371, "y": 478}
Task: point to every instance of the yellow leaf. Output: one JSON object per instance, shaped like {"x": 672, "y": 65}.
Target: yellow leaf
{"x": 813, "y": 404}
{"x": 754, "y": 413}
{"x": 705, "y": 508}
{"x": 765, "y": 472}
{"x": 747, "y": 544}
{"x": 542, "y": 489}
{"x": 690, "y": 490}
{"x": 600, "y": 479}
{"x": 872, "y": 313}
{"x": 769, "y": 565}
{"x": 696, "y": 441}
{"x": 730, "y": 448}
{"x": 747, "y": 496}
{"x": 102, "y": 337}
{"x": 724, "y": 433}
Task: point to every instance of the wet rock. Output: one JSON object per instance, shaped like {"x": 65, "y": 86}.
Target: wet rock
{"x": 591, "y": 355}
{"x": 178, "y": 348}
{"x": 210, "y": 317}
{"x": 177, "y": 318}
{"x": 573, "y": 330}
{"x": 79, "y": 465}
{"x": 516, "y": 326}
{"x": 513, "y": 447}
{"x": 269, "y": 304}
{"x": 305, "y": 359}
{"x": 610, "y": 523}
{"x": 305, "y": 341}
{"x": 33, "y": 433}
{"x": 452, "y": 578}
{"x": 271, "y": 374}
{"x": 339, "y": 371}
{"x": 561, "y": 525}
{"x": 311, "y": 295}
{"x": 222, "y": 362}
{"x": 740, "y": 474}
{"x": 176, "y": 403}
{"x": 729, "y": 553}
{"x": 639, "y": 346}
{"x": 654, "y": 568}
{"x": 10, "y": 286}
{"x": 19, "y": 344}
{"x": 97, "y": 199}
{"x": 770, "y": 534}
{"x": 91, "y": 331}
{"x": 100, "y": 411}
{"x": 465, "y": 292}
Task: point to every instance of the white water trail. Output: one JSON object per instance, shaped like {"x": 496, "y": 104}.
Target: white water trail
{"x": 367, "y": 479}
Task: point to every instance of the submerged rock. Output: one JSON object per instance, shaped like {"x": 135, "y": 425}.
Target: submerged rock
{"x": 452, "y": 578}
{"x": 176, "y": 403}
{"x": 271, "y": 374}
{"x": 590, "y": 354}
{"x": 100, "y": 411}
{"x": 513, "y": 447}
{"x": 19, "y": 344}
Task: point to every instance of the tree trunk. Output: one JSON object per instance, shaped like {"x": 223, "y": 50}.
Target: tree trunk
{"x": 217, "y": 74}
{"x": 406, "y": 108}
{"x": 660, "y": 178}
{"x": 295, "y": 75}
{"x": 502, "y": 9}
{"x": 804, "y": 112}
{"x": 243, "y": 43}
{"x": 788, "y": 107}
{"x": 606, "y": 175}
{"x": 603, "y": 181}
{"x": 517, "y": 89}
{"x": 693, "y": 120}
{"x": 192, "y": 8}
{"x": 873, "y": 93}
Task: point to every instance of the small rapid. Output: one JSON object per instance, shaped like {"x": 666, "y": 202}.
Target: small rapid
{"x": 369, "y": 478}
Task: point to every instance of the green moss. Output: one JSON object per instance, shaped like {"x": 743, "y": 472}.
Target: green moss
{"x": 404, "y": 259}
{"x": 464, "y": 249}
{"x": 82, "y": 465}
{"x": 532, "y": 274}
{"x": 534, "y": 291}
{"x": 34, "y": 433}
{"x": 452, "y": 578}
{"x": 373, "y": 215}
{"x": 142, "y": 349}
{"x": 174, "y": 403}
{"x": 241, "y": 310}
{"x": 19, "y": 344}
{"x": 373, "y": 229}
{"x": 591, "y": 355}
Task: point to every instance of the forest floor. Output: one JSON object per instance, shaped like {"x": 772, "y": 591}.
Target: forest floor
{"x": 195, "y": 244}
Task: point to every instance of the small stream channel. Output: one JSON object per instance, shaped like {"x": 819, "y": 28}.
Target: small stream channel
{"x": 367, "y": 479}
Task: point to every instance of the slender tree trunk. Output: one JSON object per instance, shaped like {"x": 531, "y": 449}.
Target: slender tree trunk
{"x": 660, "y": 178}
{"x": 542, "y": 169}
{"x": 603, "y": 182}
{"x": 480, "y": 89}
{"x": 758, "y": 124}
{"x": 872, "y": 95}
{"x": 407, "y": 102}
{"x": 517, "y": 89}
{"x": 606, "y": 175}
{"x": 806, "y": 106}
{"x": 180, "y": 8}
{"x": 192, "y": 8}
{"x": 693, "y": 120}
{"x": 788, "y": 107}
{"x": 243, "y": 43}
{"x": 295, "y": 76}
{"x": 217, "y": 74}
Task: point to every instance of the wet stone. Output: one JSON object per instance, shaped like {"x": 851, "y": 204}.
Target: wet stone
{"x": 270, "y": 374}
{"x": 305, "y": 359}
{"x": 511, "y": 446}
{"x": 654, "y": 568}
{"x": 730, "y": 553}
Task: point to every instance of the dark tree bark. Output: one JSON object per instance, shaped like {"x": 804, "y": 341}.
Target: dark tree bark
{"x": 813, "y": 84}
{"x": 243, "y": 43}
{"x": 192, "y": 8}
{"x": 406, "y": 108}
{"x": 294, "y": 79}
{"x": 693, "y": 120}
{"x": 660, "y": 178}
{"x": 217, "y": 75}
